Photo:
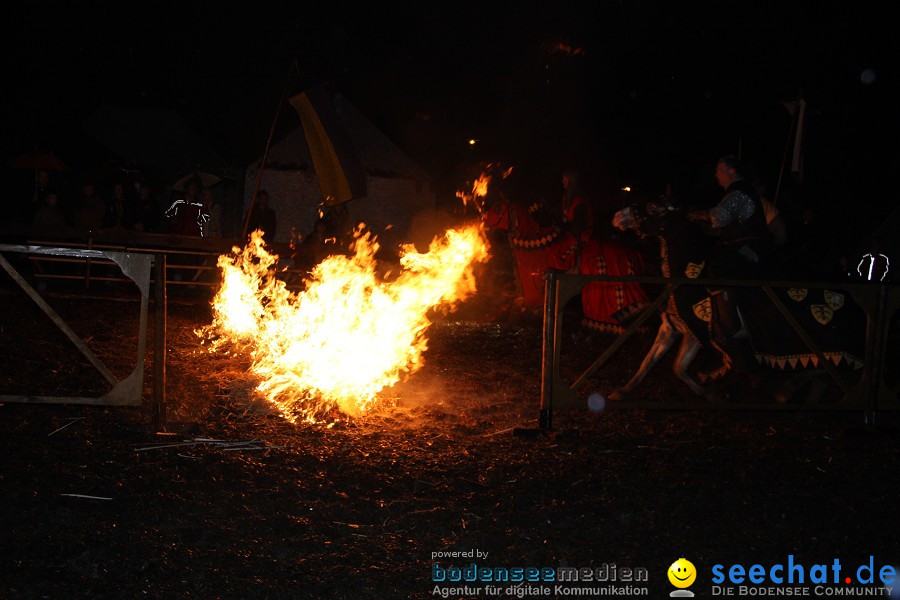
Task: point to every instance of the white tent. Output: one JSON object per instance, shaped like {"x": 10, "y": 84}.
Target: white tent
{"x": 397, "y": 188}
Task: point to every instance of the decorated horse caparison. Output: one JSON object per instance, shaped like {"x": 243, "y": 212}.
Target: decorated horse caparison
{"x": 539, "y": 248}
{"x": 828, "y": 316}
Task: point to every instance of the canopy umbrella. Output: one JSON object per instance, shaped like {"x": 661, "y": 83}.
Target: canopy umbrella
{"x": 201, "y": 177}
{"x": 116, "y": 171}
{"x": 40, "y": 161}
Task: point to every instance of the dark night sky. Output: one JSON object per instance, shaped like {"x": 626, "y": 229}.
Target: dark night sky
{"x": 657, "y": 91}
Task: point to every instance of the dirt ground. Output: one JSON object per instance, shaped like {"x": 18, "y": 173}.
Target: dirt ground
{"x": 234, "y": 502}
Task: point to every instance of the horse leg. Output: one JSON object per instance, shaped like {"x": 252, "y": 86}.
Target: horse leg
{"x": 665, "y": 337}
{"x": 686, "y": 354}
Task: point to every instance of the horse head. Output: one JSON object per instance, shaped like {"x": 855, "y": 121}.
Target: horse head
{"x": 825, "y": 315}
{"x": 496, "y": 215}
{"x": 527, "y": 224}
{"x": 537, "y": 247}
{"x": 647, "y": 218}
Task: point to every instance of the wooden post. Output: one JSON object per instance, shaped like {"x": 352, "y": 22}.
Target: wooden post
{"x": 159, "y": 344}
{"x": 545, "y": 419}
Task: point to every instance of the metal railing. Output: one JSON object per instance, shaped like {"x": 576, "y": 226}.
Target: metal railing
{"x": 135, "y": 268}
{"x": 116, "y": 257}
{"x": 190, "y": 261}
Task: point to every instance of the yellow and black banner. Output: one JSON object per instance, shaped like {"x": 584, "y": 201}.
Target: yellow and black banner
{"x": 337, "y": 163}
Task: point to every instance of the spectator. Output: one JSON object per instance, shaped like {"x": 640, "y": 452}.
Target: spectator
{"x": 49, "y": 216}
{"x": 91, "y": 207}
{"x": 145, "y": 214}
{"x": 262, "y": 217}
{"x": 25, "y": 210}
{"x": 337, "y": 224}
{"x": 213, "y": 228}
{"x": 313, "y": 249}
{"x": 114, "y": 216}
{"x": 41, "y": 188}
{"x": 186, "y": 214}
{"x": 874, "y": 265}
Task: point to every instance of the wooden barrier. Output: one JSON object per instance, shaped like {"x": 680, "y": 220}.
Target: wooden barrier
{"x": 137, "y": 268}
{"x": 879, "y": 301}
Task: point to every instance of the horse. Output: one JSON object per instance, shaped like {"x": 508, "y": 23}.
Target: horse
{"x": 539, "y": 246}
{"x": 836, "y": 325}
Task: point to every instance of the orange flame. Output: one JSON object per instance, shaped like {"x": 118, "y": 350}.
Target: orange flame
{"x": 350, "y": 333}
{"x": 478, "y": 193}
{"x": 480, "y": 187}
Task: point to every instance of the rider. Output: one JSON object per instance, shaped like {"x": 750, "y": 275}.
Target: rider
{"x": 577, "y": 213}
{"x": 744, "y": 248}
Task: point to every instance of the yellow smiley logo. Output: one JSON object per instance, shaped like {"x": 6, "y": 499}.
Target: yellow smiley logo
{"x": 682, "y": 573}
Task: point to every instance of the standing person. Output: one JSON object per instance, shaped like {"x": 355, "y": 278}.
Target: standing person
{"x": 145, "y": 215}
{"x": 38, "y": 194}
{"x": 41, "y": 187}
{"x": 213, "y": 227}
{"x": 49, "y": 220}
{"x": 49, "y": 216}
{"x": 91, "y": 207}
{"x": 337, "y": 222}
{"x": 263, "y": 217}
{"x": 313, "y": 249}
{"x": 114, "y": 217}
{"x": 186, "y": 214}
{"x": 577, "y": 213}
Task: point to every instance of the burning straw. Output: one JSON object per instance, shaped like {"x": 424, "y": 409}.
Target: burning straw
{"x": 351, "y": 332}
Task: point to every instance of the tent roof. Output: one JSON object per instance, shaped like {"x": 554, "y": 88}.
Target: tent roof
{"x": 157, "y": 140}
{"x": 379, "y": 155}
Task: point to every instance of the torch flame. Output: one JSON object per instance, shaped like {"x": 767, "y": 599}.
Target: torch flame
{"x": 480, "y": 187}
{"x": 350, "y": 333}
{"x": 478, "y": 193}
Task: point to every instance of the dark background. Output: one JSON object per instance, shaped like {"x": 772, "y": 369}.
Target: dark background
{"x": 656, "y": 94}
{"x": 632, "y": 93}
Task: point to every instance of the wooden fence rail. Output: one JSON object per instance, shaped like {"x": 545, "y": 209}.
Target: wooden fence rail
{"x": 871, "y": 393}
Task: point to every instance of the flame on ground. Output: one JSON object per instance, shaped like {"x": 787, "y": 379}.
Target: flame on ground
{"x": 350, "y": 333}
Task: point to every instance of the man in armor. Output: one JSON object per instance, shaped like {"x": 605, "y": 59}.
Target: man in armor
{"x": 743, "y": 251}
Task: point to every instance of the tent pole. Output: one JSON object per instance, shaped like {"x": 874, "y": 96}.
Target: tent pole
{"x": 294, "y": 70}
{"x": 784, "y": 156}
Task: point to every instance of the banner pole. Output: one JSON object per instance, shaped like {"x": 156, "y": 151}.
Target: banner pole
{"x": 294, "y": 70}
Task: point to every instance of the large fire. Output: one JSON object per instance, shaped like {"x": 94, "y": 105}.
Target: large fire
{"x": 351, "y": 332}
